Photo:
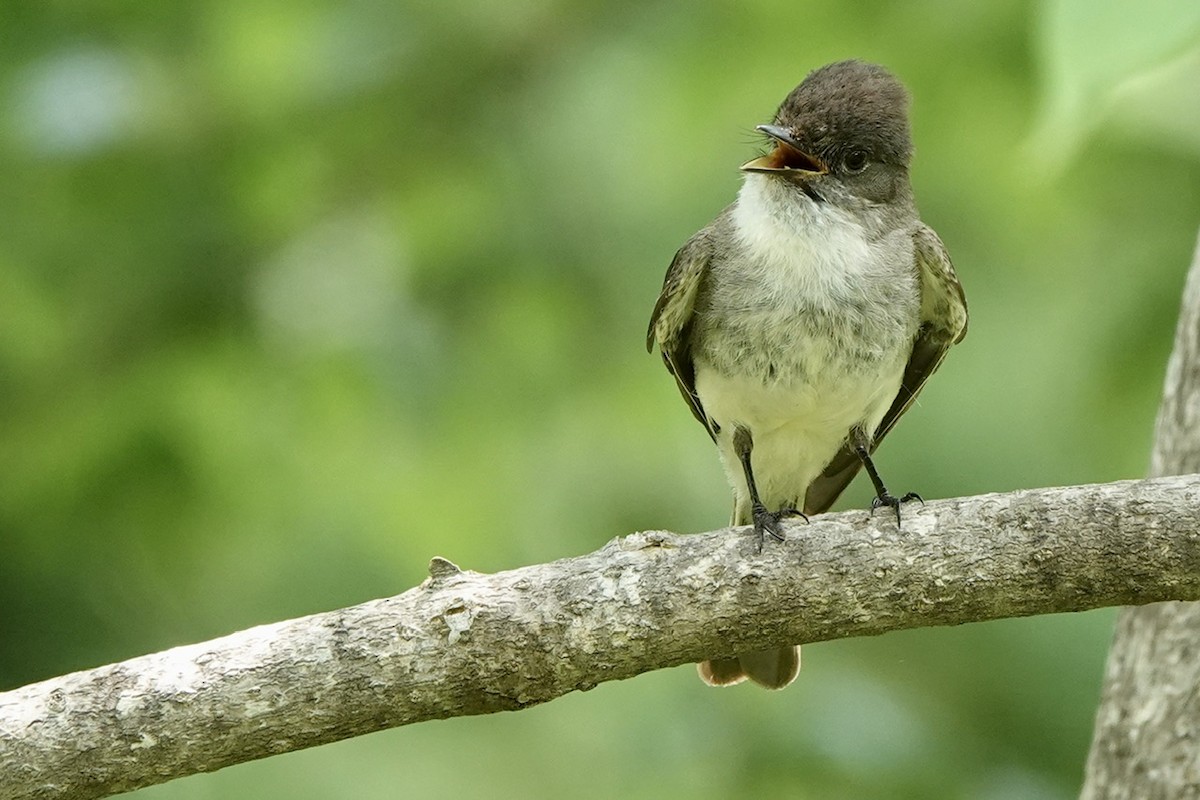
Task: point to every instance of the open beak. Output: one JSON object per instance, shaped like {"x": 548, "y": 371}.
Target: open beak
{"x": 786, "y": 157}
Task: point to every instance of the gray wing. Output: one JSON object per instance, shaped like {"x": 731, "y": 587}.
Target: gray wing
{"x": 671, "y": 321}
{"x": 943, "y": 324}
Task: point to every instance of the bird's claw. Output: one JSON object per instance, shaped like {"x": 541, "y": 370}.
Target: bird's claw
{"x": 767, "y": 523}
{"x": 892, "y": 501}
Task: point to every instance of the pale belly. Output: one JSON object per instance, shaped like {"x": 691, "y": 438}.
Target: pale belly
{"x": 797, "y": 428}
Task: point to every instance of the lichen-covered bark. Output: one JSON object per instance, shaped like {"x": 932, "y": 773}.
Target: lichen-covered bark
{"x": 1147, "y": 739}
{"x": 467, "y": 643}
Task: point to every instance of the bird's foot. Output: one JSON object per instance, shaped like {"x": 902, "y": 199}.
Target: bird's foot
{"x": 891, "y": 501}
{"x": 767, "y": 523}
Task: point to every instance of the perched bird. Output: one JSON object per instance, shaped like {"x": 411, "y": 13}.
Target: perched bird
{"x": 803, "y": 321}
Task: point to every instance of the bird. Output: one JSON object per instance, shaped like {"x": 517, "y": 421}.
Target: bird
{"x": 801, "y": 323}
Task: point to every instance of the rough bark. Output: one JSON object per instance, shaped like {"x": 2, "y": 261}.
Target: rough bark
{"x": 1147, "y": 739}
{"x": 467, "y": 643}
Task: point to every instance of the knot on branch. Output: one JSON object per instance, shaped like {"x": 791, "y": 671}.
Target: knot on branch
{"x": 442, "y": 568}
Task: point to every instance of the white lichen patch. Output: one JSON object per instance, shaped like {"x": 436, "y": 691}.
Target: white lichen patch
{"x": 146, "y": 741}
{"x": 458, "y": 618}
{"x": 622, "y": 586}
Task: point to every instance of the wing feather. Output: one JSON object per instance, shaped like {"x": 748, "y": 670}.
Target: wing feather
{"x": 671, "y": 321}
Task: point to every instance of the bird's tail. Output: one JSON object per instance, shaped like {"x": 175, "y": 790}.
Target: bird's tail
{"x": 773, "y": 669}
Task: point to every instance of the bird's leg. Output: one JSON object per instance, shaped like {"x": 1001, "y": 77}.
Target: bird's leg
{"x": 882, "y": 496}
{"x": 765, "y": 522}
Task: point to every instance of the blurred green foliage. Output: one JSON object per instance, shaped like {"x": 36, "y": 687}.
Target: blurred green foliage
{"x": 294, "y": 295}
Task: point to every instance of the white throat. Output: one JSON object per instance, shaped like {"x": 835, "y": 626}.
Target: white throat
{"x": 818, "y": 248}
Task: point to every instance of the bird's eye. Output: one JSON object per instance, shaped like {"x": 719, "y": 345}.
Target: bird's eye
{"x": 855, "y": 161}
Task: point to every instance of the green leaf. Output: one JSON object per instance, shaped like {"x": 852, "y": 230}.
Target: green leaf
{"x": 1089, "y": 51}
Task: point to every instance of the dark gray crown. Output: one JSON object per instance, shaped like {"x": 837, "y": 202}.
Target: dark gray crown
{"x": 849, "y": 105}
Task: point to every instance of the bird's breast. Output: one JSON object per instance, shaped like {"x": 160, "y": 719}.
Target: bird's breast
{"x": 807, "y": 299}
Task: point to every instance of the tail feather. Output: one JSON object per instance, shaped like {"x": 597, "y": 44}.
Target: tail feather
{"x": 771, "y": 669}
{"x": 721, "y": 671}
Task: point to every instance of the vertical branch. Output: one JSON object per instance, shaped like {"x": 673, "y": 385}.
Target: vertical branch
{"x": 1147, "y": 738}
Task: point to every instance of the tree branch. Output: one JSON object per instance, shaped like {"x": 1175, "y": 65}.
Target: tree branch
{"x": 467, "y": 643}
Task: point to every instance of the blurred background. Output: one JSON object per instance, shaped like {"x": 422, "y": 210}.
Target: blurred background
{"x": 295, "y": 295}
